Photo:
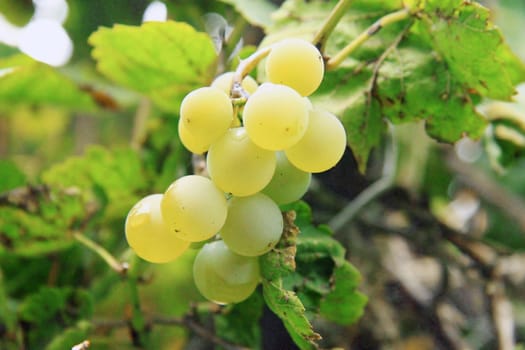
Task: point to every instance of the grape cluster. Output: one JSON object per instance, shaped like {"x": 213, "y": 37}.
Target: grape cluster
{"x": 259, "y": 155}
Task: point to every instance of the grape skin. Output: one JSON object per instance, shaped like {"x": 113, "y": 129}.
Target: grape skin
{"x": 223, "y": 276}
{"x": 149, "y": 236}
{"x": 194, "y": 208}
{"x": 295, "y": 63}
{"x": 206, "y": 113}
{"x": 192, "y": 143}
{"x": 237, "y": 166}
{"x": 253, "y": 226}
{"x": 288, "y": 183}
{"x": 322, "y": 145}
{"x": 275, "y": 117}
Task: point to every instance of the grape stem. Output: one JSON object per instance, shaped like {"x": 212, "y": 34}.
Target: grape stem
{"x": 329, "y": 25}
{"x": 120, "y": 268}
{"x": 384, "y": 21}
{"x": 243, "y": 69}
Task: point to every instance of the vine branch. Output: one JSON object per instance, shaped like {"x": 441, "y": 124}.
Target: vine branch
{"x": 187, "y": 321}
{"x": 331, "y": 22}
{"x": 343, "y": 217}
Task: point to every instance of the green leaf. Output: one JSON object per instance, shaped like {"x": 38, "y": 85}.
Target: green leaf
{"x": 473, "y": 48}
{"x": 110, "y": 178}
{"x": 25, "y": 81}
{"x": 70, "y": 336}
{"x": 100, "y": 184}
{"x": 7, "y": 314}
{"x": 256, "y": 12}
{"x": 163, "y": 60}
{"x": 340, "y": 306}
{"x": 359, "y": 112}
{"x": 11, "y": 175}
{"x": 239, "y": 323}
{"x": 50, "y": 309}
{"x": 297, "y": 286}
{"x": 412, "y": 86}
{"x": 288, "y": 307}
{"x": 34, "y": 225}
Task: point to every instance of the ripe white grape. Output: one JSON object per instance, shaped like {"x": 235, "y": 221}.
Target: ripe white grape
{"x": 322, "y": 146}
{"x": 194, "y": 208}
{"x": 207, "y": 113}
{"x": 295, "y": 63}
{"x": 288, "y": 183}
{"x": 275, "y": 116}
{"x": 237, "y": 166}
{"x": 192, "y": 143}
{"x": 149, "y": 236}
{"x": 225, "y": 80}
{"x": 253, "y": 226}
{"x": 223, "y": 276}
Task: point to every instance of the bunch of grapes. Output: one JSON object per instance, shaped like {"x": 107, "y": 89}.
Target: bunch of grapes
{"x": 259, "y": 154}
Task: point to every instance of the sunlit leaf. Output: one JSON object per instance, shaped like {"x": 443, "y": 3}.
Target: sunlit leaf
{"x": 162, "y": 60}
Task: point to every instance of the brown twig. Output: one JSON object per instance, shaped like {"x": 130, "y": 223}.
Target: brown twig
{"x": 510, "y": 204}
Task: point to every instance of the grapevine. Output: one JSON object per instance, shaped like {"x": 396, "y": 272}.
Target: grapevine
{"x": 254, "y": 167}
{"x": 263, "y": 174}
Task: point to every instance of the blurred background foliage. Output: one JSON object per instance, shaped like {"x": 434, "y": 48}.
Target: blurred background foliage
{"x": 50, "y": 284}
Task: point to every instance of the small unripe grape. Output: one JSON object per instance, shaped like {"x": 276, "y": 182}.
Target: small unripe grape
{"x": 253, "y": 226}
{"x": 149, "y": 236}
{"x": 237, "y": 166}
{"x": 225, "y": 80}
{"x": 288, "y": 183}
{"x": 322, "y": 145}
{"x": 223, "y": 276}
{"x": 193, "y": 208}
{"x": 295, "y": 63}
{"x": 207, "y": 113}
{"x": 275, "y": 116}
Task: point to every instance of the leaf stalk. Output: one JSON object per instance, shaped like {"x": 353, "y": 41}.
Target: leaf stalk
{"x": 384, "y": 21}
{"x": 331, "y": 22}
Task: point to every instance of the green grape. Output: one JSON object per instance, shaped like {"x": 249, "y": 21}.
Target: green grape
{"x": 206, "y": 113}
{"x": 148, "y": 235}
{"x": 237, "y": 166}
{"x": 322, "y": 146}
{"x": 194, "y": 208}
{"x": 192, "y": 143}
{"x": 253, "y": 226}
{"x": 223, "y": 276}
{"x": 225, "y": 80}
{"x": 275, "y": 116}
{"x": 288, "y": 183}
{"x": 295, "y": 63}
